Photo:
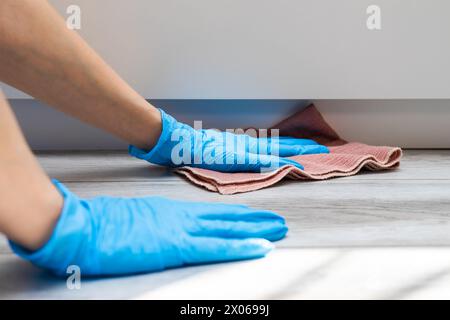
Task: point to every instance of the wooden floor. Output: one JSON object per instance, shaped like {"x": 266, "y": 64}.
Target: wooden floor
{"x": 375, "y": 235}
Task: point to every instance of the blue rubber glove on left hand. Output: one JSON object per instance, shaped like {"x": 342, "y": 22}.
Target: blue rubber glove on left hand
{"x": 182, "y": 145}
{"x": 115, "y": 236}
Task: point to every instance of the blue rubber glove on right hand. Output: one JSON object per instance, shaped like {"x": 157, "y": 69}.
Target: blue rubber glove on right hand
{"x": 182, "y": 145}
{"x": 114, "y": 236}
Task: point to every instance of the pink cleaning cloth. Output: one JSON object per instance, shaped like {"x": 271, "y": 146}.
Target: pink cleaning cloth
{"x": 345, "y": 158}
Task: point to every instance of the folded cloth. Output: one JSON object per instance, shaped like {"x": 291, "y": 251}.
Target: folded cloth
{"x": 345, "y": 158}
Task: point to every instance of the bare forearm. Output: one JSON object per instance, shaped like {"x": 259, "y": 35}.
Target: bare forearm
{"x": 29, "y": 203}
{"x": 40, "y": 56}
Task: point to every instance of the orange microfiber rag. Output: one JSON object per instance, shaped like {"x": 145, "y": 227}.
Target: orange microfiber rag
{"x": 345, "y": 158}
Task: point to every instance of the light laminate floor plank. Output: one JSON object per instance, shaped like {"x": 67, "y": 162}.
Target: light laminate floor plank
{"x": 374, "y": 235}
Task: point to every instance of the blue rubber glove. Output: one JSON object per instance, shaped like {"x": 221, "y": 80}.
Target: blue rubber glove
{"x": 180, "y": 144}
{"x": 114, "y": 236}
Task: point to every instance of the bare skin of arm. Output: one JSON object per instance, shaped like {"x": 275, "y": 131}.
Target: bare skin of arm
{"x": 29, "y": 203}
{"x": 42, "y": 57}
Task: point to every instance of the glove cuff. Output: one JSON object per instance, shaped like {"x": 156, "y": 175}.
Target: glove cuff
{"x": 154, "y": 155}
{"x": 63, "y": 247}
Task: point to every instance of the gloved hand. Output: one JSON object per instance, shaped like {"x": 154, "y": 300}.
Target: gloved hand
{"x": 180, "y": 144}
{"x": 113, "y": 236}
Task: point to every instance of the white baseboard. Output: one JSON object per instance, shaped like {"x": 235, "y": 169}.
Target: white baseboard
{"x": 405, "y": 123}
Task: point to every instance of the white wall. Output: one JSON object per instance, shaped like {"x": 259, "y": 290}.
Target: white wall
{"x": 271, "y": 49}
{"x": 296, "y": 49}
